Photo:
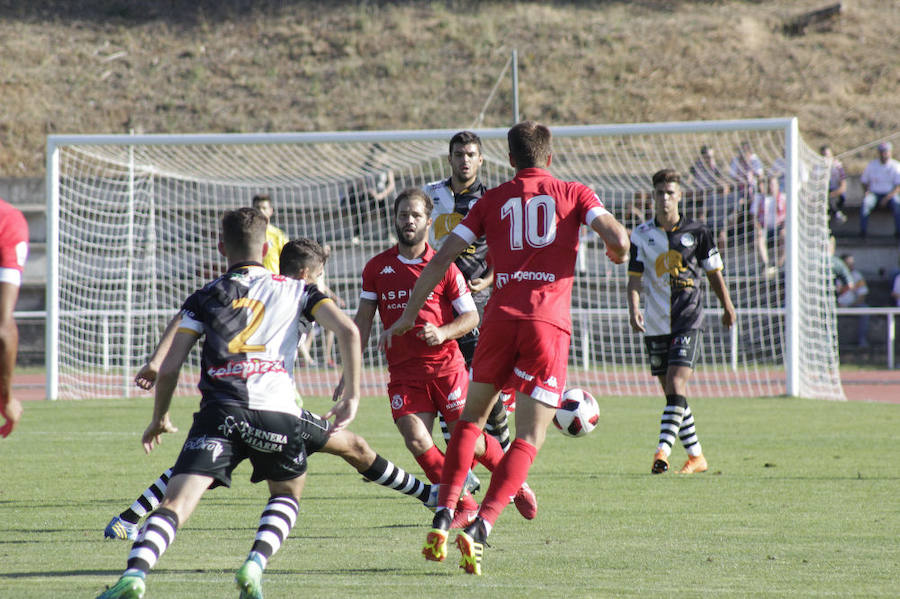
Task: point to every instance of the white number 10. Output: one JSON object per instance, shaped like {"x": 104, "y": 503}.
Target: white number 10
{"x": 539, "y": 215}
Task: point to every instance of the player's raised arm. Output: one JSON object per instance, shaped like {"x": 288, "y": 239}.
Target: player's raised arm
{"x": 614, "y": 235}
{"x": 431, "y": 275}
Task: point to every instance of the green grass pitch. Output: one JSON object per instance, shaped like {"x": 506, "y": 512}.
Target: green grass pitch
{"x": 802, "y": 500}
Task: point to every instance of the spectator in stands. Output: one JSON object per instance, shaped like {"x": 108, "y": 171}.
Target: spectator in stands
{"x": 854, "y": 296}
{"x": 275, "y": 237}
{"x": 13, "y": 252}
{"x": 706, "y": 178}
{"x": 839, "y": 270}
{"x": 746, "y": 169}
{"x": 368, "y": 200}
{"x": 780, "y": 168}
{"x": 837, "y": 185}
{"x": 895, "y": 290}
{"x": 769, "y": 209}
{"x": 880, "y": 182}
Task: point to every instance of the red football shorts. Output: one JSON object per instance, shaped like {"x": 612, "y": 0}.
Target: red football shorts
{"x": 445, "y": 394}
{"x": 527, "y": 355}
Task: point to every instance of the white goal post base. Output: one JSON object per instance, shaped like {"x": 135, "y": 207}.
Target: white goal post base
{"x": 132, "y": 225}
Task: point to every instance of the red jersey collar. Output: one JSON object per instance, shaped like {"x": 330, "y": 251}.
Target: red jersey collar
{"x": 429, "y": 252}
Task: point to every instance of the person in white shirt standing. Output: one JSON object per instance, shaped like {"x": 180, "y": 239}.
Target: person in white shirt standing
{"x": 854, "y": 296}
{"x": 881, "y": 183}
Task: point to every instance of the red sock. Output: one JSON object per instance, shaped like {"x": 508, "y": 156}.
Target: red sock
{"x": 493, "y": 453}
{"x": 460, "y": 451}
{"x": 506, "y": 479}
{"x": 432, "y": 463}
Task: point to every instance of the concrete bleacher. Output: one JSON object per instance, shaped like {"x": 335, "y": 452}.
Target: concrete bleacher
{"x": 876, "y": 256}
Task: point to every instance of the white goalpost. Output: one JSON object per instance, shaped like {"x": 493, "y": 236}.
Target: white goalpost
{"x": 132, "y": 223}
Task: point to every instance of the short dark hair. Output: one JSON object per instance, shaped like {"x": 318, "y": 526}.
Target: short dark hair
{"x": 529, "y": 144}
{"x": 414, "y": 193}
{"x": 243, "y": 229}
{"x": 666, "y": 175}
{"x": 259, "y": 199}
{"x": 465, "y": 138}
{"x": 299, "y": 254}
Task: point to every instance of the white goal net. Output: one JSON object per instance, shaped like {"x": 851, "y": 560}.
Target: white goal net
{"x": 132, "y": 231}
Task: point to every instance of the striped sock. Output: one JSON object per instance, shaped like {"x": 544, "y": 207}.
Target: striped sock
{"x": 671, "y": 420}
{"x": 688, "y": 434}
{"x": 497, "y": 424}
{"x": 149, "y": 499}
{"x": 386, "y": 473}
{"x": 274, "y": 526}
{"x": 153, "y": 540}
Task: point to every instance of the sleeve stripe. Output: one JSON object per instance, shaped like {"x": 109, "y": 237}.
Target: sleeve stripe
{"x": 318, "y": 305}
{"x": 464, "y": 303}
{"x": 594, "y": 213}
{"x": 464, "y": 232}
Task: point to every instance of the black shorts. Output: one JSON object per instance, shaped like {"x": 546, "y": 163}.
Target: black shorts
{"x": 677, "y": 349}
{"x": 277, "y": 444}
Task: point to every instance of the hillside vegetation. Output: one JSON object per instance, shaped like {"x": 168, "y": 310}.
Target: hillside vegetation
{"x": 247, "y": 66}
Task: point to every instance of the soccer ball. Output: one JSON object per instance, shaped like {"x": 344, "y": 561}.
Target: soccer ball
{"x": 577, "y": 414}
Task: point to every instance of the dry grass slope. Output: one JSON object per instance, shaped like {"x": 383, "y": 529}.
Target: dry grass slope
{"x": 243, "y": 66}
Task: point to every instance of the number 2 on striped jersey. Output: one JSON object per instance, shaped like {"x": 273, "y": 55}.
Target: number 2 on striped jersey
{"x": 238, "y": 343}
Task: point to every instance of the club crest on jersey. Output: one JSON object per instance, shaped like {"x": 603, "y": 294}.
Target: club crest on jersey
{"x": 670, "y": 262}
{"x": 444, "y": 223}
{"x": 688, "y": 240}
{"x": 396, "y": 402}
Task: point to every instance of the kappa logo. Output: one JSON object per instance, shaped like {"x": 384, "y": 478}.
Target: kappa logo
{"x": 551, "y": 382}
{"x": 387, "y": 270}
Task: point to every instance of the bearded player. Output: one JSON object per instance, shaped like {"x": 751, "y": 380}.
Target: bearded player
{"x": 531, "y": 225}
{"x": 427, "y": 372}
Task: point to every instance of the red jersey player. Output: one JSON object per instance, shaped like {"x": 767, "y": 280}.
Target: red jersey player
{"x": 531, "y": 224}
{"x": 427, "y": 370}
{"x": 13, "y": 252}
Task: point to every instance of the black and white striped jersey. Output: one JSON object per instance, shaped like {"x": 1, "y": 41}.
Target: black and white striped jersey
{"x": 449, "y": 210}
{"x": 251, "y": 320}
{"x": 672, "y": 266}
